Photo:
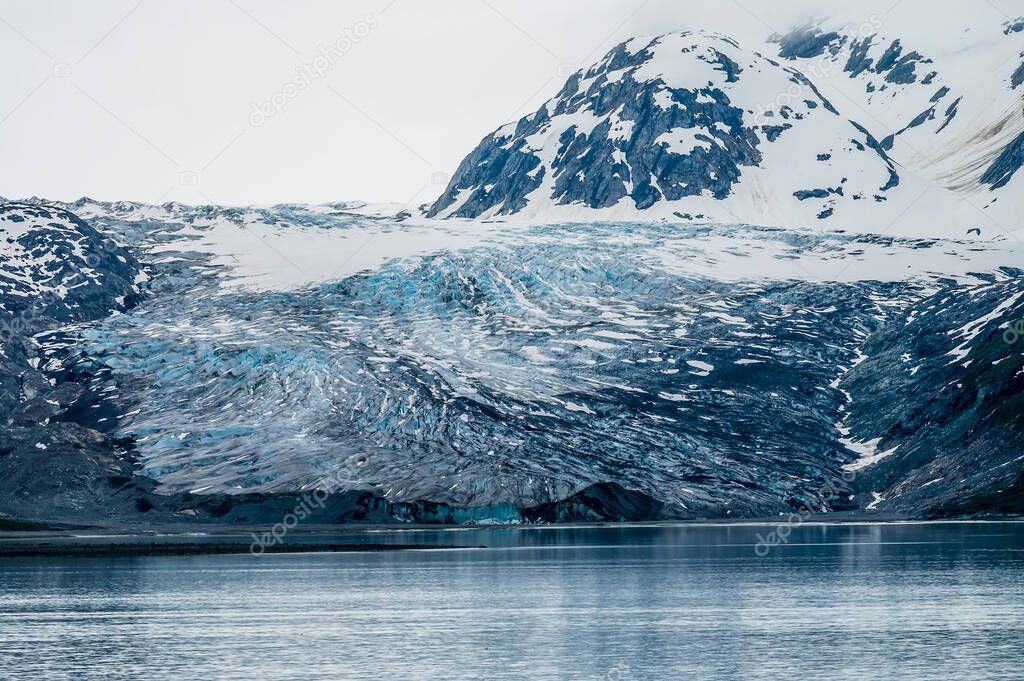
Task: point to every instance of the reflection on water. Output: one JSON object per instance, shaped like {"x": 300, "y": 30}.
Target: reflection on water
{"x": 852, "y": 601}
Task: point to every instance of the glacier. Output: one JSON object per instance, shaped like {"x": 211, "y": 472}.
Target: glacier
{"x": 531, "y": 370}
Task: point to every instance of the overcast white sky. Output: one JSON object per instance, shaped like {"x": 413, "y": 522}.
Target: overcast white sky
{"x": 152, "y": 100}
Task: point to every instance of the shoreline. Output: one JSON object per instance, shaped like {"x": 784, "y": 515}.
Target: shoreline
{"x": 17, "y": 540}
{"x": 74, "y": 549}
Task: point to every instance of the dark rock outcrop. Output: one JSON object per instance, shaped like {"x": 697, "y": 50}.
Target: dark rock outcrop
{"x": 943, "y": 389}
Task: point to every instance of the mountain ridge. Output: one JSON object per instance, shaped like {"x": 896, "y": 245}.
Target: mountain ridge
{"x": 690, "y": 126}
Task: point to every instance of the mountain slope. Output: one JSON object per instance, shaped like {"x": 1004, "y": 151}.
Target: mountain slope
{"x": 691, "y": 126}
{"x": 54, "y": 264}
{"x": 940, "y": 398}
{"x": 947, "y": 105}
{"x": 55, "y": 270}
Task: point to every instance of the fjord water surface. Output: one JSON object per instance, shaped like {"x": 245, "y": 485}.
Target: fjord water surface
{"x": 643, "y": 602}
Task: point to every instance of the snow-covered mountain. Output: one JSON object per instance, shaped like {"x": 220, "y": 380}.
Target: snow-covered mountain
{"x": 56, "y": 271}
{"x": 950, "y": 110}
{"x": 693, "y": 126}
{"x": 53, "y": 264}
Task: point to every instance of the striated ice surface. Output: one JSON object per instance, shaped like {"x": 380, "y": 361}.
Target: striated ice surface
{"x": 699, "y": 365}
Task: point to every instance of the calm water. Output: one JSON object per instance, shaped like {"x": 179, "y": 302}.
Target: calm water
{"x": 836, "y": 602}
